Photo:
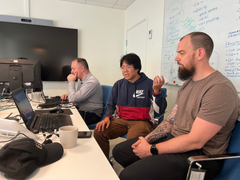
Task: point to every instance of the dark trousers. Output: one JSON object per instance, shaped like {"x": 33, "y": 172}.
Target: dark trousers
{"x": 89, "y": 118}
{"x": 159, "y": 167}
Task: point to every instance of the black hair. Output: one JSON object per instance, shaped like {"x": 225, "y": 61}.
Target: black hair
{"x": 132, "y": 59}
{"x": 83, "y": 62}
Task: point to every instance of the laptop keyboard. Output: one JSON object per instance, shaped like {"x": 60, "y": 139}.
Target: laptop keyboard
{"x": 54, "y": 100}
{"x": 46, "y": 123}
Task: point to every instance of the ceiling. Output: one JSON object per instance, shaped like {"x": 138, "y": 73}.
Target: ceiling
{"x": 115, "y": 4}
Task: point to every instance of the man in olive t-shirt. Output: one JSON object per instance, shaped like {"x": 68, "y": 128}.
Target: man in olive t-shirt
{"x": 201, "y": 121}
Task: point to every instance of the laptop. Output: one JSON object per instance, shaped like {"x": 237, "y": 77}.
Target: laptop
{"x": 36, "y": 123}
{"x": 53, "y": 100}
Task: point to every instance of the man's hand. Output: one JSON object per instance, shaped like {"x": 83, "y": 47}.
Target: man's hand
{"x": 101, "y": 125}
{"x": 157, "y": 84}
{"x": 72, "y": 77}
{"x": 141, "y": 148}
{"x": 64, "y": 97}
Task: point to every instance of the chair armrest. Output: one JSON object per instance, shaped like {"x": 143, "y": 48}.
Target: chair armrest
{"x": 160, "y": 115}
{"x": 200, "y": 158}
{"x": 193, "y": 159}
{"x": 156, "y": 118}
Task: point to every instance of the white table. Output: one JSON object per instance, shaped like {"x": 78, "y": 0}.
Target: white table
{"x": 86, "y": 161}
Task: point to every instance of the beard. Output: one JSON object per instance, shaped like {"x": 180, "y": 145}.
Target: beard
{"x": 184, "y": 73}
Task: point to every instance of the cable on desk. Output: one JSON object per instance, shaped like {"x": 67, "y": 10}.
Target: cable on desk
{"x": 16, "y": 117}
{"x": 4, "y": 99}
{"x": 18, "y": 133}
{"x": 4, "y": 93}
{"x": 3, "y": 107}
{"x": 47, "y": 139}
{"x": 68, "y": 105}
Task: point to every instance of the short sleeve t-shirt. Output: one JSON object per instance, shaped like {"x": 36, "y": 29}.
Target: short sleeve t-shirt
{"x": 213, "y": 99}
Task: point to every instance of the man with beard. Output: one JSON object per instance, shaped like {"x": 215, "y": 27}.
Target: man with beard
{"x": 201, "y": 122}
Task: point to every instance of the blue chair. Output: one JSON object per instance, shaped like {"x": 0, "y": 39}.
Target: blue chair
{"x": 106, "y": 95}
{"x": 231, "y": 165}
{"x": 157, "y": 116}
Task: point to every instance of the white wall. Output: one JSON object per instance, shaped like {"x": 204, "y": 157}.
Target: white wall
{"x": 100, "y": 31}
{"x": 153, "y": 11}
{"x": 102, "y": 35}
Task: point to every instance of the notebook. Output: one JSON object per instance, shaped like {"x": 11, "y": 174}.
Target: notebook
{"x": 36, "y": 123}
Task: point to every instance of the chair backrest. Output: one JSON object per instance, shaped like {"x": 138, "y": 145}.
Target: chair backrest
{"x": 231, "y": 167}
{"x": 164, "y": 93}
{"x": 106, "y": 95}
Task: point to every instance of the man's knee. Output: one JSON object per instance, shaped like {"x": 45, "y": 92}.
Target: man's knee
{"x": 96, "y": 134}
{"x": 124, "y": 176}
{"x": 100, "y": 134}
{"x": 130, "y": 175}
{"x": 119, "y": 155}
{"x": 117, "y": 148}
{"x": 139, "y": 131}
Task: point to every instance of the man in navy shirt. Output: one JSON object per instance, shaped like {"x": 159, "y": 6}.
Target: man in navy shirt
{"x": 133, "y": 98}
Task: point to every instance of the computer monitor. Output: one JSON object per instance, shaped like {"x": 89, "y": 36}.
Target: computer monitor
{"x": 15, "y": 73}
{"x": 55, "y": 47}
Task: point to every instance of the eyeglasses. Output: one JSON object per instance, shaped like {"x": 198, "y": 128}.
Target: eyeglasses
{"x": 128, "y": 67}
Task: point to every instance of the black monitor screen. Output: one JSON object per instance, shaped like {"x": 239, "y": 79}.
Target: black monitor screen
{"x": 16, "y": 73}
{"x": 54, "y": 47}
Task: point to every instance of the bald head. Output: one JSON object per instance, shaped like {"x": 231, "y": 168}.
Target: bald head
{"x": 201, "y": 40}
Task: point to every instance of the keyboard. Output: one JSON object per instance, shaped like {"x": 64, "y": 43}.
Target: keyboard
{"x": 46, "y": 123}
{"x": 54, "y": 100}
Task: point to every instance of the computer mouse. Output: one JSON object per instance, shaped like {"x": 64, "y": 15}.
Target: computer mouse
{"x": 56, "y": 110}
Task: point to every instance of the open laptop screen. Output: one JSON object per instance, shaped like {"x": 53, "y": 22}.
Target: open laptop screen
{"x": 23, "y": 104}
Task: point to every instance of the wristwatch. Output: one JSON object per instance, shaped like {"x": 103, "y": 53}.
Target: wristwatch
{"x": 154, "y": 150}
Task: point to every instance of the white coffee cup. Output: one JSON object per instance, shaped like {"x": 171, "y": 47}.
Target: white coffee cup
{"x": 68, "y": 136}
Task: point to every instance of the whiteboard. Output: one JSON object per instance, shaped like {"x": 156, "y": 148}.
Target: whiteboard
{"x": 218, "y": 18}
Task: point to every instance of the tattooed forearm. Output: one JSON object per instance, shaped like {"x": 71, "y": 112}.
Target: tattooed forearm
{"x": 158, "y": 133}
{"x": 171, "y": 118}
{"x": 163, "y": 128}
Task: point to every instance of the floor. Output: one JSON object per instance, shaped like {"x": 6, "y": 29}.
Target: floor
{"x": 117, "y": 167}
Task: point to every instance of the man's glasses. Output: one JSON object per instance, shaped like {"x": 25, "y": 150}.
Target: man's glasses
{"x": 124, "y": 67}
